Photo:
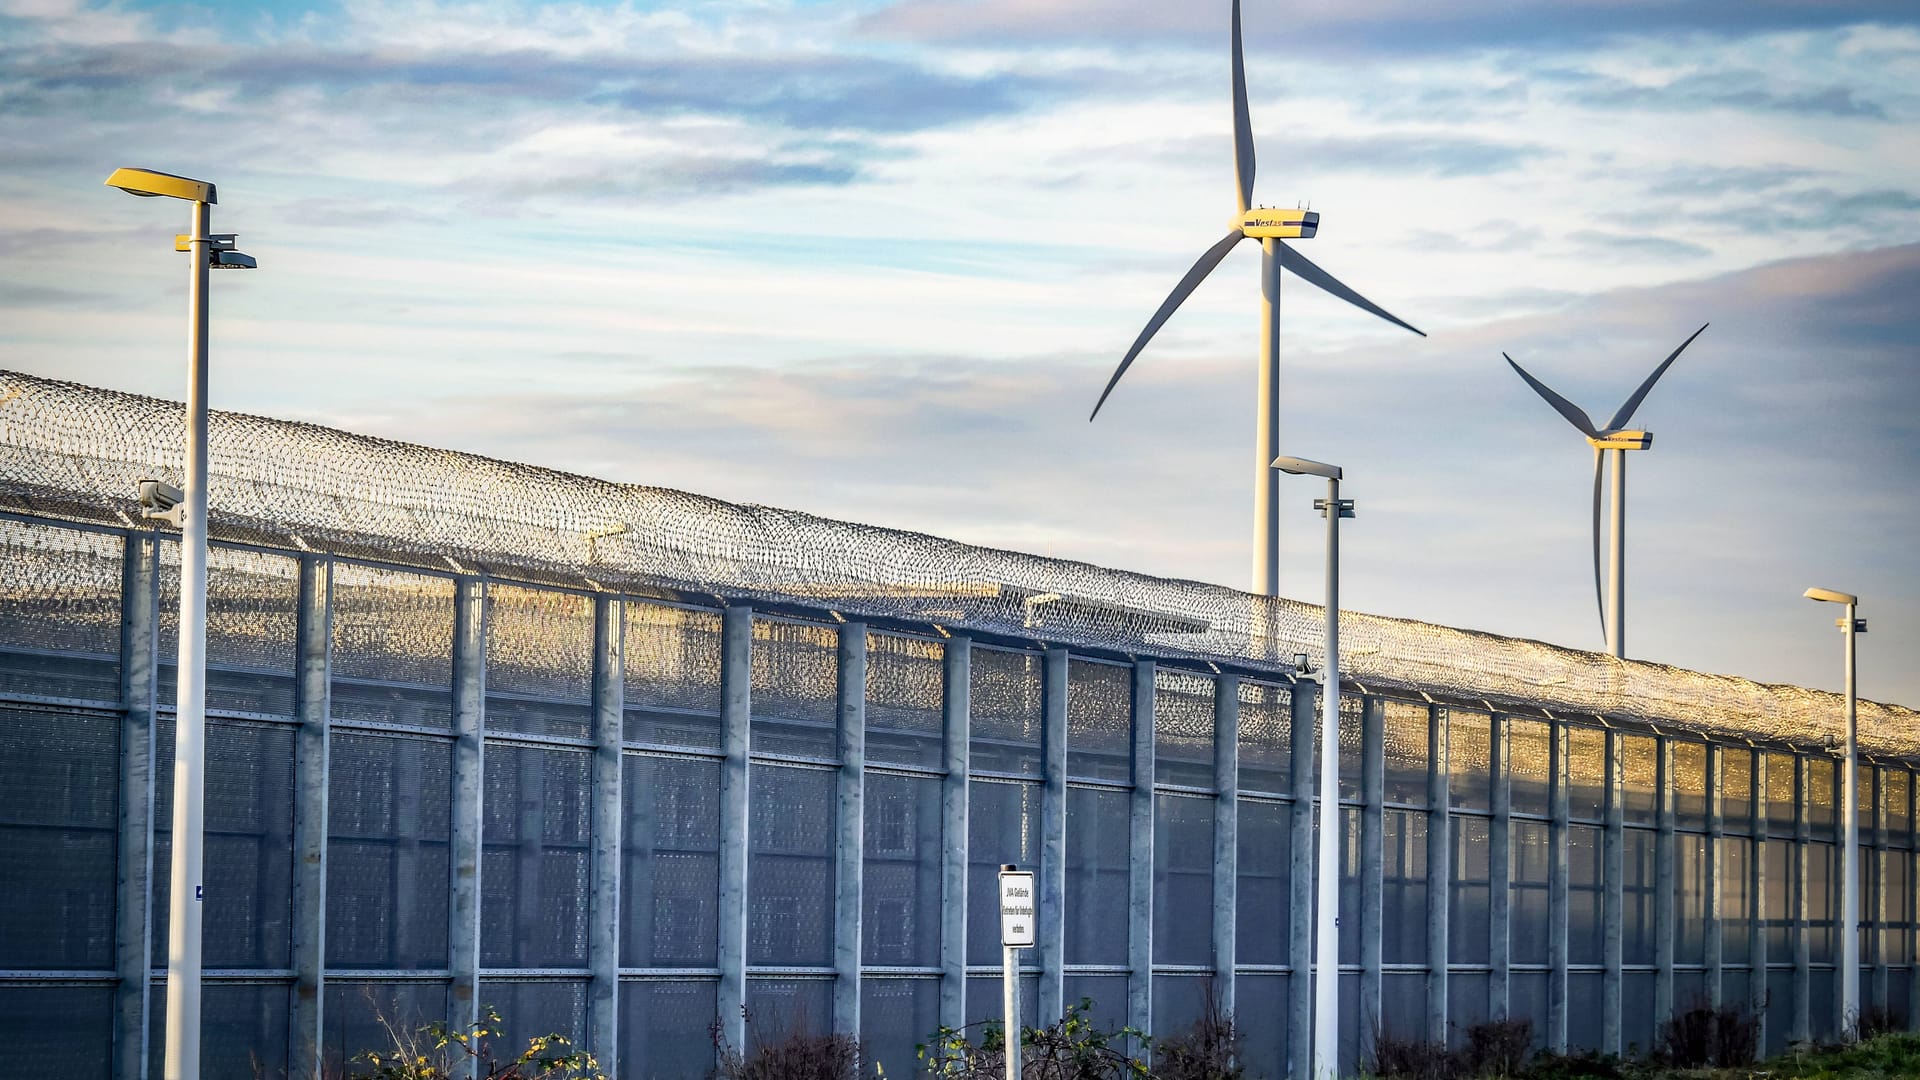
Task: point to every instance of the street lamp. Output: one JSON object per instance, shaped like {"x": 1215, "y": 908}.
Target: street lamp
{"x": 1326, "y": 946}
{"x": 206, "y": 252}
{"x": 1851, "y": 626}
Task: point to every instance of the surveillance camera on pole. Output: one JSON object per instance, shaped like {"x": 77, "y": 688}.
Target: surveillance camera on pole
{"x": 161, "y": 501}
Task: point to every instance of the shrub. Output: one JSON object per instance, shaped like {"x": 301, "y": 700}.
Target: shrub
{"x": 1209, "y": 1050}
{"x": 1413, "y": 1059}
{"x": 1878, "y": 1020}
{"x": 1071, "y": 1048}
{"x": 1586, "y": 1065}
{"x": 796, "y": 1054}
{"x": 1703, "y": 1035}
{"x": 1497, "y": 1048}
{"x": 435, "y": 1051}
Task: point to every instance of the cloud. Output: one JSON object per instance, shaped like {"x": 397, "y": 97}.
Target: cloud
{"x": 1390, "y": 26}
{"x": 1624, "y": 246}
{"x": 1746, "y": 91}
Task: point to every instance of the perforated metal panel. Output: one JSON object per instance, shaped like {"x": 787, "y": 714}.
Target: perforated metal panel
{"x": 670, "y": 882}
{"x": 1530, "y": 766}
{"x": 253, "y": 601}
{"x": 1097, "y": 848}
{"x": 900, "y": 883}
{"x": 1099, "y": 721}
{"x": 672, "y": 658}
{"x": 1690, "y": 907}
{"x": 796, "y": 687}
{"x": 243, "y": 1029}
{"x": 905, "y": 680}
{"x": 1586, "y": 897}
{"x": 984, "y": 999}
{"x": 59, "y": 612}
{"x": 1260, "y": 1013}
{"x": 1586, "y": 773}
{"x": 1405, "y": 730}
{"x": 1527, "y": 901}
{"x": 664, "y": 1029}
{"x": 1183, "y": 715}
{"x": 1266, "y": 737}
{"x": 1469, "y": 912}
{"x": 1639, "y": 778}
{"x": 249, "y": 848}
{"x": 1182, "y": 880}
{"x": 1003, "y": 826}
{"x": 1638, "y": 937}
{"x": 388, "y": 828}
{"x": 778, "y": 1008}
{"x": 532, "y": 1009}
{"x": 1007, "y": 699}
{"x": 1403, "y": 892}
{"x": 534, "y": 878}
{"x": 1470, "y": 760}
{"x": 1734, "y": 868}
{"x": 1783, "y": 788}
{"x": 1108, "y": 994}
{"x": 1689, "y": 784}
{"x": 895, "y": 1016}
{"x": 1264, "y": 893}
{"x": 1179, "y": 1003}
{"x": 539, "y": 661}
{"x": 790, "y": 867}
{"x": 357, "y": 1015}
{"x": 57, "y": 1032}
{"x": 392, "y": 646}
{"x": 58, "y": 777}
{"x": 1736, "y": 789}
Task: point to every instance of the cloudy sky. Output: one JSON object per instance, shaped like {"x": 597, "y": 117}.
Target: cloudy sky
{"x": 876, "y": 259}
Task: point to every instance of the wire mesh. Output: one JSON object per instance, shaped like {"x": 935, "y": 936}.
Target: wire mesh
{"x": 79, "y": 451}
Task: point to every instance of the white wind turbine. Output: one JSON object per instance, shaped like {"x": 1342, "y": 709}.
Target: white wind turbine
{"x": 1612, "y": 601}
{"x": 1270, "y": 227}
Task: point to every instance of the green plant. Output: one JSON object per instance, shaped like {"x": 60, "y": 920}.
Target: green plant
{"x": 1703, "y": 1035}
{"x": 438, "y": 1050}
{"x": 1495, "y": 1048}
{"x": 1071, "y": 1048}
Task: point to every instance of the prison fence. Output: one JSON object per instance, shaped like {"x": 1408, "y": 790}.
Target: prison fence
{"x": 546, "y": 753}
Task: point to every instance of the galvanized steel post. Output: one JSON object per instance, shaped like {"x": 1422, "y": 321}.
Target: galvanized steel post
{"x": 1140, "y": 857}
{"x": 312, "y": 704}
{"x": 468, "y": 780}
{"x": 1757, "y": 932}
{"x": 1613, "y": 872}
{"x": 1052, "y": 928}
{"x": 1439, "y": 868}
{"x": 133, "y": 885}
{"x": 1716, "y": 870}
{"x": 1304, "y": 702}
{"x": 849, "y": 824}
{"x": 1373, "y": 713}
{"x": 736, "y": 735}
{"x": 1664, "y": 924}
{"x": 956, "y": 699}
{"x": 1557, "y": 863}
{"x": 1500, "y": 874}
{"x": 1801, "y": 901}
{"x": 603, "y": 933}
{"x": 1226, "y": 843}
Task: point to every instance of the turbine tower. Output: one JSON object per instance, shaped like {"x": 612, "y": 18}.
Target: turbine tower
{"x": 1611, "y": 601}
{"x": 1270, "y": 227}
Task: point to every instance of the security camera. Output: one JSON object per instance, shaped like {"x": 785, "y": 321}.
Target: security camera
{"x": 162, "y": 501}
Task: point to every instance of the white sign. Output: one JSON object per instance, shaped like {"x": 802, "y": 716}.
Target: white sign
{"x": 1018, "y": 909}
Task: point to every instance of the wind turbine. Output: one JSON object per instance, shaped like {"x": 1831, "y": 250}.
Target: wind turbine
{"x": 1270, "y": 227}
{"x": 1615, "y": 437}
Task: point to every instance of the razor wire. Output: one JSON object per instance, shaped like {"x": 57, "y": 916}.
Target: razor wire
{"x": 78, "y": 452}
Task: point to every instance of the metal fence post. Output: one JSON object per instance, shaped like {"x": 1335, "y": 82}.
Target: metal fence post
{"x": 850, "y": 825}
{"x": 1304, "y": 705}
{"x": 1439, "y": 868}
{"x": 609, "y": 813}
{"x": 1140, "y": 856}
{"x": 1758, "y": 992}
{"x": 1557, "y": 866}
{"x": 468, "y": 784}
{"x": 133, "y": 906}
{"x": 1614, "y": 870}
{"x": 1664, "y": 925}
{"x": 1716, "y": 870}
{"x": 1800, "y": 901}
{"x": 736, "y": 735}
{"x": 1500, "y": 876}
{"x": 313, "y": 698}
{"x": 1373, "y": 712}
{"x": 1051, "y": 1003}
{"x": 1226, "y": 843}
{"x": 956, "y": 703}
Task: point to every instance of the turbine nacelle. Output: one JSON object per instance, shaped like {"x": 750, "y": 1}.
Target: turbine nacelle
{"x": 1264, "y": 223}
{"x": 1622, "y": 440}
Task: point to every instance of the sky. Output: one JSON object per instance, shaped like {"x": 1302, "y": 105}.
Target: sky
{"x": 875, "y": 259}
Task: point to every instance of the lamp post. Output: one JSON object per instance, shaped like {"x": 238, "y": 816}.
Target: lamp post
{"x": 205, "y": 252}
{"x": 1851, "y": 626}
{"x": 1326, "y": 946}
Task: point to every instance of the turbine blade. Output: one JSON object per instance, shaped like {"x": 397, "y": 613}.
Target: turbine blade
{"x": 1574, "y": 414}
{"x": 1313, "y": 275}
{"x": 1180, "y": 292}
{"x": 1599, "y": 590}
{"x": 1242, "y": 124}
{"x": 1626, "y": 411}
